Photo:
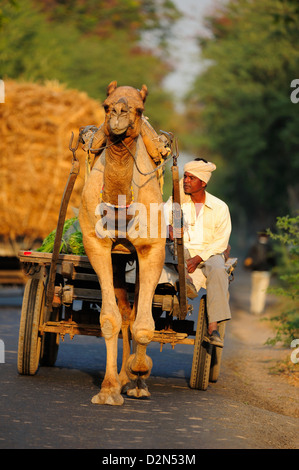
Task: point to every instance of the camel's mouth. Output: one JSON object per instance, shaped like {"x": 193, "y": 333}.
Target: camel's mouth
{"x": 119, "y": 130}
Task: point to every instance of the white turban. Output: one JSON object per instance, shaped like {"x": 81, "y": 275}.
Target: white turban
{"x": 200, "y": 169}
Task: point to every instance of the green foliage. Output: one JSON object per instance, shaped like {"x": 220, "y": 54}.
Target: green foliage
{"x": 71, "y": 241}
{"x": 287, "y": 237}
{"x": 85, "y": 45}
{"x": 240, "y": 109}
{"x": 104, "y": 17}
{"x": 3, "y": 17}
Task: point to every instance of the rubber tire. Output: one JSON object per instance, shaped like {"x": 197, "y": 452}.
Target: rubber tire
{"x": 216, "y": 355}
{"x": 200, "y": 370}
{"x": 50, "y": 343}
{"x": 29, "y": 346}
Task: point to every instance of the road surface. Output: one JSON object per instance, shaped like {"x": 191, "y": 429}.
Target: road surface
{"x": 52, "y": 410}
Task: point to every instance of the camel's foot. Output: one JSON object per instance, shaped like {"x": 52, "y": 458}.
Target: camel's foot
{"x": 108, "y": 397}
{"x": 136, "y": 388}
{"x": 139, "y": 366}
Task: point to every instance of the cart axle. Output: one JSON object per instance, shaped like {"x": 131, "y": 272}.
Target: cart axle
{"x": 72, "y": 328}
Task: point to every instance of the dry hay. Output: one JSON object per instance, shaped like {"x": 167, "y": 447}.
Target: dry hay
{"x": 36, "y": 124}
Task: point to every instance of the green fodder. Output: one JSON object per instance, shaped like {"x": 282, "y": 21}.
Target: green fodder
{"x": 71, "y": 240}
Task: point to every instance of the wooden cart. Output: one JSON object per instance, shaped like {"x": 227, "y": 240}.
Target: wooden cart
{"x": 56, "y": 281}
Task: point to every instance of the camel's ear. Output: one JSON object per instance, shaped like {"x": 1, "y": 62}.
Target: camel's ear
{"x": 111, "y": 87}
{"x": 144, "y": 92}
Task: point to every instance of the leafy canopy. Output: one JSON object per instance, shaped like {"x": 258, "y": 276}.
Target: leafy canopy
{"x": 286, "y": 236}
{"x": 240, "y": 110}
{"x": 86, "y": 45}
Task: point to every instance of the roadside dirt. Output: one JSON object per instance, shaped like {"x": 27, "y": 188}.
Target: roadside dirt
{"x": 250, "y": 370}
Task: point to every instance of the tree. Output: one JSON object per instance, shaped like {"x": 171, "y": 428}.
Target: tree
{"x": 86, "y": 45}
{"x": 241, "y": 112}
{"x": 104, "y": 17}
{"x": 287, "y": 239}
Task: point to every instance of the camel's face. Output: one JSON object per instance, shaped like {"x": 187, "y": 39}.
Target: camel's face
{"x": 118, "y": 116}
{"x": 124, "y": 107}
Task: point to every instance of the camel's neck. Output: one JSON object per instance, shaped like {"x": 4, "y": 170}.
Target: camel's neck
{"x": 118, "y": 174}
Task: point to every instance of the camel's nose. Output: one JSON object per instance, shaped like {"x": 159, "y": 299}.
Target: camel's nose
{"x": 119, "y": 118}
{"x": 121, "y": 107}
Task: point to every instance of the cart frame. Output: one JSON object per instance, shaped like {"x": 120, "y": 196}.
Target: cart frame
{"x": 56, "y": 281}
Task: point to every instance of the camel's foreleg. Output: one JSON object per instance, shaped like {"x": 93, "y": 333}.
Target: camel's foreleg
{"x": 139, "y": 365}
{"x": 110, "y": 320}
{"x": 125, "y": 310}
{"x": 110, "y": 389}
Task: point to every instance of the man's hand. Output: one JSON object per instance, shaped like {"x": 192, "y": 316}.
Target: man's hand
{"x": 226, "y": 253}
{"x": 192, "y": 263}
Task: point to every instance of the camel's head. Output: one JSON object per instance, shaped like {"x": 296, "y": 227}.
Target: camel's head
{"x": 124, "y": 106}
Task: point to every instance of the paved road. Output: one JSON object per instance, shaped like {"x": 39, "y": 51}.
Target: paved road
{"x": 53, "y": 408}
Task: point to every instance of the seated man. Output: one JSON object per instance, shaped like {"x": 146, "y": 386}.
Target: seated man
{"x": 207, "y": 228}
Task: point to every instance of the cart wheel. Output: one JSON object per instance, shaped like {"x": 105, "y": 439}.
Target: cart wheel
{"x": 31, "y": 317}
{"x": 216, "y": 355}
{"x": 50, "y": 343}
{"x": 200, "y": 370}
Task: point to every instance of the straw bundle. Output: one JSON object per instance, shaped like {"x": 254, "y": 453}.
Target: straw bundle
{"x": 35, "y": 125}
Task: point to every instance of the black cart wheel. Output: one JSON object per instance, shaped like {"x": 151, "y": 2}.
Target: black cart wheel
{"x": 31, "y": 317}
{"x": 216, "y": 355}
{"x": 50, "y": 343}
{"x": 200, "y": 370}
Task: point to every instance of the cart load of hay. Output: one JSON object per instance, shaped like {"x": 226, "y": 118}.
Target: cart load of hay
{"x": 36, "y": 125}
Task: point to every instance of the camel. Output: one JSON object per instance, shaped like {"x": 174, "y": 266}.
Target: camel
{"x": 121, "y": 211}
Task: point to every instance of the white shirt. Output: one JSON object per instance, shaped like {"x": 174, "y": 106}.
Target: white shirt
{"x": 207, "y": 233}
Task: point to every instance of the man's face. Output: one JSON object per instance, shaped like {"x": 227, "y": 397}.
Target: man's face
{"x": 192, "y": 184}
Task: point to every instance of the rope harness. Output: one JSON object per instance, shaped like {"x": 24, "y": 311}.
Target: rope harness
{"x": 170, "y": 136}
